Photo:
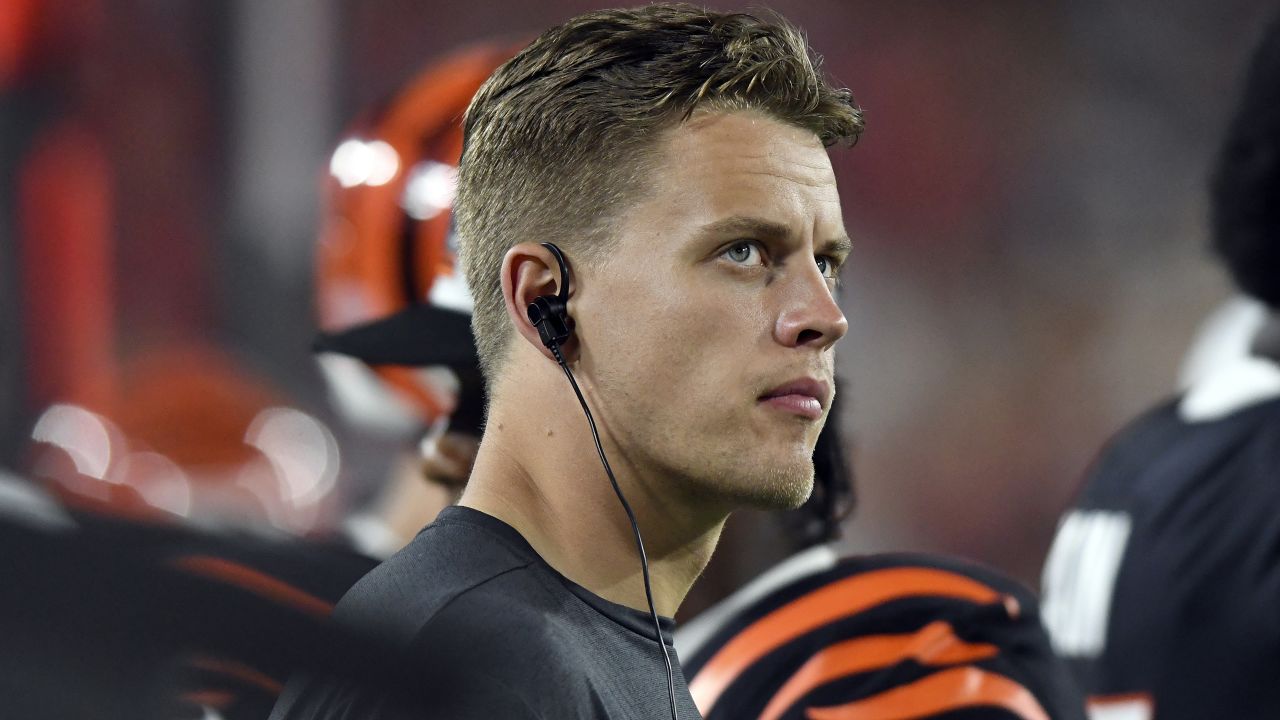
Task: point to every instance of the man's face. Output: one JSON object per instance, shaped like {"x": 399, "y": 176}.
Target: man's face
{"x": 708, "y": 332}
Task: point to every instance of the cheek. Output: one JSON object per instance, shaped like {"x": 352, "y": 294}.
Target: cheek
{"x": 701, "y": 348}
{"x": 699, "y": 343}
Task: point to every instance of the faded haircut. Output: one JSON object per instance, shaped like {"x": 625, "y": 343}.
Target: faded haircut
{"x": 559, "y": 138}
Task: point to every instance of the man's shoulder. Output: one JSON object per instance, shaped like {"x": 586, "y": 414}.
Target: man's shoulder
{"x": 1159, "y": 456}
{"x": 469, "y": 612}
{"x": 454, "y": 564}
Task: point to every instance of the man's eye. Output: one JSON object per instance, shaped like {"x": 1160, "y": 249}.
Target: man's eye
{"x": 744, "y": 253}
{"x": 828, "y": 266}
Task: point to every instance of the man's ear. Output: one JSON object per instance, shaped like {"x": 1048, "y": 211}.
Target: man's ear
{"x": 530, "y": 271}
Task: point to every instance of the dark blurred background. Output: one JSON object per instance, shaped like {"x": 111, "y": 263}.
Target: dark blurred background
{"x": 1027, "y": 206}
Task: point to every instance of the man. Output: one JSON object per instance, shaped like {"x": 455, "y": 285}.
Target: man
{"x": 677, "y": 156}
{"x": 1161, "y": 585}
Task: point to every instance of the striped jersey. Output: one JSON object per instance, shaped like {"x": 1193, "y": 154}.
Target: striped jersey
{"x": 876, "y": 638}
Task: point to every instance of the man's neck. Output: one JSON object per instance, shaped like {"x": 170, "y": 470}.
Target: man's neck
{"x": 546, "y": 481}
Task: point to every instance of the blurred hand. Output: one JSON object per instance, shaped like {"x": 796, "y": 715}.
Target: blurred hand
{"x": 447, "y": 458}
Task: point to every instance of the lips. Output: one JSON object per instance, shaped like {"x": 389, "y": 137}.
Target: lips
{"x": 804, "y": 397}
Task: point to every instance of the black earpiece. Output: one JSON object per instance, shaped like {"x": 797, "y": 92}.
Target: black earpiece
{"x": 550, "y": 313}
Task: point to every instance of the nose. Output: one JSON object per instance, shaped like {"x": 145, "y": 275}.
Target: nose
{"x": 810, "y": 316}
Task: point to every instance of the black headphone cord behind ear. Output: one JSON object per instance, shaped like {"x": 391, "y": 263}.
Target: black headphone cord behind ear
{"x": 553, "y": 344}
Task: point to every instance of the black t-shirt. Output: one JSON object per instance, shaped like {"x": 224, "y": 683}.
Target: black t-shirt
{"x": 1162, "y": 585}
{"x": 496, "y": 633}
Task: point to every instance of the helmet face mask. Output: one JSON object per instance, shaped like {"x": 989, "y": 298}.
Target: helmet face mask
{"x": 389, "y": 290}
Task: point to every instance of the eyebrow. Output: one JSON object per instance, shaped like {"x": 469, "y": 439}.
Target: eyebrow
{"x": 841, "y": 246}
{"x": 769, "y": 230}
{"x": 741, "y": 225}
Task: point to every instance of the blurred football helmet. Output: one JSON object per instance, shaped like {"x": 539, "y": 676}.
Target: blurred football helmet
{"x": 393, "y": 307}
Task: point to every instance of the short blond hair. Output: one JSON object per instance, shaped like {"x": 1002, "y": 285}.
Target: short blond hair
{"x": 557, "y": 138}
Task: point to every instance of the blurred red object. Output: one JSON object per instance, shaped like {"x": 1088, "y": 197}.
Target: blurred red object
{"x": 189, "y": 436}
{"x": 66, "y": 216}
{"x": 17, "y": 36}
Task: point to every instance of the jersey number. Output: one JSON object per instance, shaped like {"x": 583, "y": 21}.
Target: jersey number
{"x": 1079, "y": 578}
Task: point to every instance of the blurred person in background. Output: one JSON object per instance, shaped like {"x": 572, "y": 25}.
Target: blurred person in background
{"x": 163, "y": 481}
{"x": 179, "y": 461}
{"x": 1161, "y": 585}
{"x": 395, "y": 312}
{"x": 181, "y": 467}
{"x": 526, "y": 600}
{"x": 189, "y": 473}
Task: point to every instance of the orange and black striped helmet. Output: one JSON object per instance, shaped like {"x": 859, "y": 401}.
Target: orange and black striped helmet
{"x": 389, "y": 291}
{"x": 883, "y": 637}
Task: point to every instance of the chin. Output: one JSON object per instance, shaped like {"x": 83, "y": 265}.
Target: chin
{"x": 780, "y": 487}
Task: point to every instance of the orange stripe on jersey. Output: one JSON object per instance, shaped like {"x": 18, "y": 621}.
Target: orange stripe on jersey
{"x": 841, "y": 599}
{"x": 1129, "y": 706}
{"x": 945, "y": 691}
{"x": 217, "y": 699}
{"x": 239, "y": 671}
{"x": 935, "y": 644}
{"x": 255, "y": 581}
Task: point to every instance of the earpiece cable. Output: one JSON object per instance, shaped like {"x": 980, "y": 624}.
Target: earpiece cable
{"x": 635, "y": 528}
